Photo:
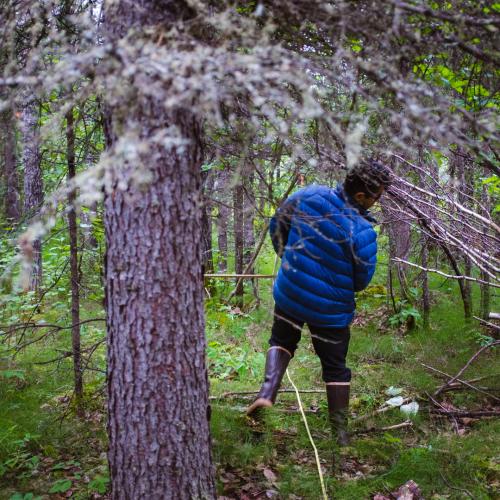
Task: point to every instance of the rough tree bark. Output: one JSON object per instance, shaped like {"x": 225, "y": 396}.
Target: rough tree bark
{"x": 159, "y": 445}
{"x": 33, "y": 182}
{"x": 73, "y": 263}
{"x": 399, "y": 233}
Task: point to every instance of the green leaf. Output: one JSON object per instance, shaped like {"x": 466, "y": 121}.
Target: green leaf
{"x": 99, "y": 484}
{"x": 19, "y": 374}
{"x": 61, "y": 486}
{"x": 24, "y": 496}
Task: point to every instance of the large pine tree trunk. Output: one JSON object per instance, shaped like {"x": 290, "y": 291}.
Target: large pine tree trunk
{"x": 33, "y": 182}
{"x": 159, "y": 445}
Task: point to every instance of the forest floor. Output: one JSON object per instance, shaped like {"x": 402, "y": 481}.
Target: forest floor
{"x": 46, "y": 452}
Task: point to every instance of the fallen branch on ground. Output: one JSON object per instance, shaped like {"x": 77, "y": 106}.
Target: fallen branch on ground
{"x": 468, "y": 384}
{"x": 491, "y": 325}
{"x": 467, "y": 492}
{"x": 407, "y": 423}
{"x": 249, "y": 393}
{"x": 465, "y": 413}
{"x": 380, "y": 410}
{"x": 453, "y": 379}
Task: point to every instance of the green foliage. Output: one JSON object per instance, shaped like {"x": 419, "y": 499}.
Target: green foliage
{"x": 13, "y": 374}
{"x": 25, "y": 496}
{"x": 22, "y": 458}
{"x": 227, "y": 361}
{"x": 405, "y": 313}
{"x": 61, "y": 486}
{"x": 99, "y": 484}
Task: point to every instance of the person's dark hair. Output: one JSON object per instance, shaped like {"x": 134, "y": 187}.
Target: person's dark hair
{"x": 368, "y": 177}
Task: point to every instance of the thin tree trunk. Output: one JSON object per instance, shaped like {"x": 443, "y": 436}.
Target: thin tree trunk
{"x": 426, "y": 303}
{"x": 465, "y": 181}
{"x": 12, "y": 198}
{"x": 207, "y": 254}
{"x": 398, "y": 233}
{"x": 249, "y": 218}
{"x": 222, "y": 220}
{"x": 424, "y": 245}
{"x": 238, "y": 228}
{"x": 73, "y": 262}
{"x": 33, "y": 182}
{"x": 159, "y": 443}
{"x": 485, "y": 304}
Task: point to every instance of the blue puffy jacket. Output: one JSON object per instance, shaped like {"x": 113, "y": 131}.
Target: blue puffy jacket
{"x": 329, "y": 251}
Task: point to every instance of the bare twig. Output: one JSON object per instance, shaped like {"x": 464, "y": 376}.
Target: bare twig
{"x": 496, "y": 342}
{"x": 380, "y": 410}
{"x": 439, "y": 405}
{"x": 466, "y": 413}
{"x": 492, "y": 325}
{"x": 250, "y": 393}
{"x": 446, "y": 16}
{"x": 468, "y": 384}
{"x": 436, "y": 271}
{"x": 455, "y": 487}
{"x": 402, "y": 425}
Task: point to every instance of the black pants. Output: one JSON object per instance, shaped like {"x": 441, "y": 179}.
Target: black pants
{"x": 330, "y": 344}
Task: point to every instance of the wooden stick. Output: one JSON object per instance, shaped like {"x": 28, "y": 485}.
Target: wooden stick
{"x": 465, "y": 413}
{"x": 227, "y": 276}
{"x": 487, "y": 323}
{"x": 437, "y": 403}
{"x": 441, "y": 273}
{"x": 245, "y": 393}
{"x": 466, "y": 366}
{"x": 407, "y": 423}
{"x": 461, "y": 381}
{"x": 380, "y": 410}
{"x": 455, "y": 487}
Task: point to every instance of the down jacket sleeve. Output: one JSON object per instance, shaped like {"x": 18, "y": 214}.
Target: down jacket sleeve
{"x": 281, "y": 222}
{"x": 364, "y": 258}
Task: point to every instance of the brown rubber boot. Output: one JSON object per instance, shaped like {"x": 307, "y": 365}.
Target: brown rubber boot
{"x": 276, "y": 363}
{"x": 338, "y": 403}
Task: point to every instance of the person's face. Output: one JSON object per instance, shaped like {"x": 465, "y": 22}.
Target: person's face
{"x": 368, "y": 200}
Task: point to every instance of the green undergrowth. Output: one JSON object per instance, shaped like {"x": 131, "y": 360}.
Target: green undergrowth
{"x": 46, "y": 452}
{"x": 446, "y": 459}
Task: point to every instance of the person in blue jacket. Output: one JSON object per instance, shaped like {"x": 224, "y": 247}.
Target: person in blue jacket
{"x": 328, "y": 251}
